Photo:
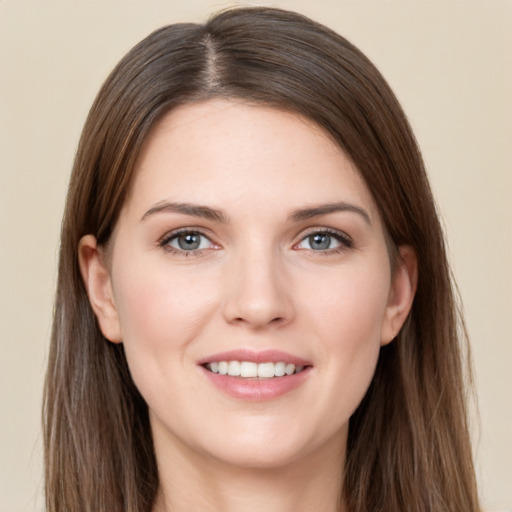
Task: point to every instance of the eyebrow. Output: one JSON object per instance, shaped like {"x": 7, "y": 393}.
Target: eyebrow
{"x": 214, "y": 214}
{"x": 325, "y": 209}
{"x": 194, "y": 210}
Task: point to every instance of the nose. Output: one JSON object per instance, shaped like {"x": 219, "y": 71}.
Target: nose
{"x": 258, "y": 292}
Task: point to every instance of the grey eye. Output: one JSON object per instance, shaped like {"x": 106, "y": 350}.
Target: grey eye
{"x": 189, "y": 242}
{"x": 320, "y": 241}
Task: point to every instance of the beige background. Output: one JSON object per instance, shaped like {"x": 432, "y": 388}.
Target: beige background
{"x": 450, "y": 63}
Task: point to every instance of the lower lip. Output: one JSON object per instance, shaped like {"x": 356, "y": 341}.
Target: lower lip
{"x": 257, "y": 390}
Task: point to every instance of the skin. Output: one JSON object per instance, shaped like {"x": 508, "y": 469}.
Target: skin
{"x": 256, "y": 282}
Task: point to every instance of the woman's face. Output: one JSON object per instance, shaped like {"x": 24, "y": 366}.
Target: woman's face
{"x": 248, "y": 245}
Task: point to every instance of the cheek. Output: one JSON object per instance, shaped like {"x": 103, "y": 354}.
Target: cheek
{"x": 160, "y": 309}
{"x": 348, "y": 323}
{"x": 161, "y": 313}
{"x": 351, "y": 309}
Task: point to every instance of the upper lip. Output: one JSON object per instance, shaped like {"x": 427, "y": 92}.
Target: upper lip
{"x": 262, "y": 356}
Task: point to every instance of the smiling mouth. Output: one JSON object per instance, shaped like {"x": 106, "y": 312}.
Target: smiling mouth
{"x": 251, "y": 370}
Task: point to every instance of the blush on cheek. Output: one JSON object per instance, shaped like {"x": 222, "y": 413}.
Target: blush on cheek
{"x": 162, "y": 309}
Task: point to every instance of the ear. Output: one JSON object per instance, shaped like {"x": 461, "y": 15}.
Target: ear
{"x": 403, "y": 287}
{"x": 98, "y": 284}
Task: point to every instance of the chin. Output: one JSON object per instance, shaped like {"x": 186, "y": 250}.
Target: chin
{"x": 260, "y": 458}
{"x": 274, "y": 448}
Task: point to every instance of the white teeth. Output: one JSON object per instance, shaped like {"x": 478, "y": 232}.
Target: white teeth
{"x": 279, "y": 369}
{"x": 234, "y": 368}
{"x": 266, "y": 370}
{"x": 223, "y": 368}
{"x": 248, "y": 369}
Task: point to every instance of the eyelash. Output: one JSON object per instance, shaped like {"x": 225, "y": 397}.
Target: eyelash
{"x": 344, "y": 240}
{"x": 169, "y": 237}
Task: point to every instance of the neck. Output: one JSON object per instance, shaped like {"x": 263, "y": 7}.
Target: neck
{"x": 193, "y": 482}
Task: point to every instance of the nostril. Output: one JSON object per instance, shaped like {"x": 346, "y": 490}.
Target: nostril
{"x": 250, "y": 307}
{"x": 273, "y": 321}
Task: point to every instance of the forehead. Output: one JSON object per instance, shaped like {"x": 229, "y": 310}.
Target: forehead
{"x": 226, "y": 150}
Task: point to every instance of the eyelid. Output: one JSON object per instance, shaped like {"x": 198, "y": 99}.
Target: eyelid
{"x": 343, "y": 238}
{"x": 163, "y": 242}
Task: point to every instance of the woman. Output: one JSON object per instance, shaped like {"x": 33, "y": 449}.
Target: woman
{"x": 254, "y": 307}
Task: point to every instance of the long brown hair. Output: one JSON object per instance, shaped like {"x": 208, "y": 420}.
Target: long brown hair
{"x": 408, "y": 446}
